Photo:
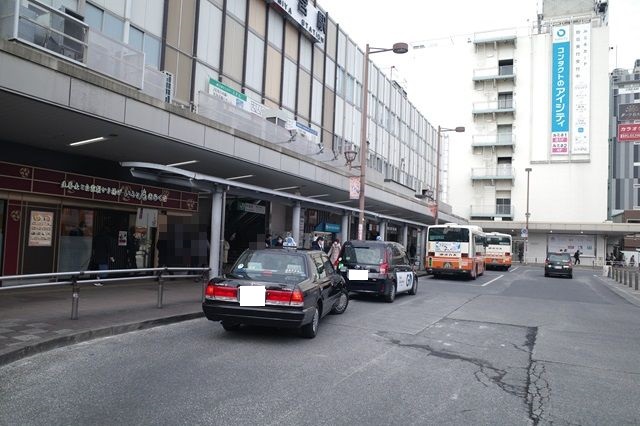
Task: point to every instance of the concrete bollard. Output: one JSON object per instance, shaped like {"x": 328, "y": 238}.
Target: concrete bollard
{"x": 635, "y": 287}
{"x": 626, "y": 277}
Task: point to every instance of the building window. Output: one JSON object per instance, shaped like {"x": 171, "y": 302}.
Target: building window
{"x": 146, "y": 43}
{"x": 505, "y": 100}
{"x": 503, "y": 206}
{"x": 209, "y": 34}
{"x": 255, "y": 60}
{"x": 104, "y": 22}
{"x": 289, "y": 79}
{"x": 276, "y": 29}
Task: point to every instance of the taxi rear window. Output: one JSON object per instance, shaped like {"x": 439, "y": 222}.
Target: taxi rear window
{"x": 367, "y": 255}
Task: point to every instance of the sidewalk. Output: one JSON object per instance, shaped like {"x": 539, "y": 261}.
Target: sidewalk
{"x": 37, "y": 320}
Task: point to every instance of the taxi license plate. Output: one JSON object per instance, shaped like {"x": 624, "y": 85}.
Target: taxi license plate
{"x": 252, "y": 295}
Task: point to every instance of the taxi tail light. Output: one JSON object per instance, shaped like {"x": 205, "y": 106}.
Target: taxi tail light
{"x": 384, "y": 265}
{"x": 284, "y": 297}
{"x": 297, "y": 298}
{"x": 221, "y": 292}
{"x": 278, "y": 297}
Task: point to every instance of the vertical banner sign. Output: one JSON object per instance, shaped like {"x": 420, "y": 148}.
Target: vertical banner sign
{"x": 560, "y": 90}
{"x": 580, "y": 89}
{"x": 354, "y": 187}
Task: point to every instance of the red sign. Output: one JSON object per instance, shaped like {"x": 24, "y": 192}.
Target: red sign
{"x": 16, "y": 177}
{"x": 628, "y": 132}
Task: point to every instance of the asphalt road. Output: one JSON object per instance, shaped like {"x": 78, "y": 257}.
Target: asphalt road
{"x": 511, "y": 348}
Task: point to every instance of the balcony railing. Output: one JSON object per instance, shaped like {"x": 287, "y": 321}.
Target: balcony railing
{"x": 505, "y": 35}
{"x": 44, "y": 27}
{"x": 502, "y": 105}
{"x": 503, "y": 72}
{"x": 115, "y": 59}
{"x": 492, "y": 173}
{"x": 495, "y": 139}
{"x": 495, "y": 210}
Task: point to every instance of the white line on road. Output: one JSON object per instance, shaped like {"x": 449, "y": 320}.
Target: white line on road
{"x": 489, "y": 282}
{"x": 514, "y": 269}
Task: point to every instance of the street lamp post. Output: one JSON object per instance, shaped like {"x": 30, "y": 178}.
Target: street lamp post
{"x": 397, "y": 48}
{"x": 527, "y": 214}
{"x": 441, "y": 130}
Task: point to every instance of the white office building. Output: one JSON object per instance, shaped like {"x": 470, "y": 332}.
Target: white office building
{"x": 536, "y": 137}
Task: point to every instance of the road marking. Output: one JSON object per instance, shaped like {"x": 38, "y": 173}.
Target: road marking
{"x": 514, "y": 269}
{"x": 489, "y": 282}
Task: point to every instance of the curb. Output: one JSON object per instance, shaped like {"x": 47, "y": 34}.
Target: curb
{"x": 86, "y": 335}
{"x": 621, "y": 291}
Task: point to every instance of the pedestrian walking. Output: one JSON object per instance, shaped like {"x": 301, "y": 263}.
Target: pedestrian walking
{"x": 267, "y": 241}
{"x": 334, "y": 252}
{"x": 576, "y": 256}
{"x": 632, "y": 261}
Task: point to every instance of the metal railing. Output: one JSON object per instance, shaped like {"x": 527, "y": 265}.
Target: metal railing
{"x": 115, "y": 59}
{"x": 494, "y": 139}
{"x": 492, "y": 210}
{"x": 76, "y": 279}
{"x": 502, "y": 105}
{"x": 39, "y": 25}
{"x": 493, "y": 173}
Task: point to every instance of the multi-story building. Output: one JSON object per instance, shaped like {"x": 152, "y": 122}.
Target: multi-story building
{"x": 537, "y": 162}
{"x": 189, "y": 121}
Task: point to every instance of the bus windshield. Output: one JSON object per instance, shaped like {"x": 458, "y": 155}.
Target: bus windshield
{"x": 501, "y": 241}
{"x": 449, "y": 234}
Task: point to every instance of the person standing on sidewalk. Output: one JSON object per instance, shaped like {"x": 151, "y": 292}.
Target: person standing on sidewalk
{"x": 334, "y": 252}
{"x": 103, "y": 251}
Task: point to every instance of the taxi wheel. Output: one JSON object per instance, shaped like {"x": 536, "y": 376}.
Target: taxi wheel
{"x": 414, "y": 289}
{"x": 230, "y": 326}
{"x": 341, "y": 303}
{"x": 310, "y": 330}
{"x": 390, "y": 295}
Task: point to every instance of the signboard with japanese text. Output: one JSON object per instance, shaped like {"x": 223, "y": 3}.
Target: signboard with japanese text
{"x": 40, "y": 229}
{"x": 235, "y": 98}
{"x": 560, "y": 90}
{"x": 628, "y": 132}
{"x": 628, "y": 112}
{"x": 35, "y": 180}
{"x": 581, "y": 88}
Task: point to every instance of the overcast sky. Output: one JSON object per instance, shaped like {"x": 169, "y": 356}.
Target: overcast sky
{"x": 439, "y": 24}
{"x": 382, "y": 22}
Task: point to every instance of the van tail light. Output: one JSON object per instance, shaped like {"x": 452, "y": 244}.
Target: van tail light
{"x": 464, "y": 255}
{"x": 384, "y": 266}
{"x": 221, "y": 292}
{"x": 285, "y": 297}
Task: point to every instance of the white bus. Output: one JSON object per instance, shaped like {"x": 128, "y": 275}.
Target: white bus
{"x": 499, "y": 251}
{"x": 455, "y": 249}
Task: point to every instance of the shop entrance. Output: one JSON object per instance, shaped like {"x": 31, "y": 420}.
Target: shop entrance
{"x": 39, "y": 239}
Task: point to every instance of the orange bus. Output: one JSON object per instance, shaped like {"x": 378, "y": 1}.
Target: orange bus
{"x": 455, "y": 250}
{"x": 499, "y": 252}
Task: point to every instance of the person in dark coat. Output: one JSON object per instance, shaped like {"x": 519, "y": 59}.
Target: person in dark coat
{"x": 102, "y": 249}
{"x": 133, "y": 245}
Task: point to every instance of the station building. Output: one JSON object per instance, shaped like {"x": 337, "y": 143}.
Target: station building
{"x": 188, "y": 123}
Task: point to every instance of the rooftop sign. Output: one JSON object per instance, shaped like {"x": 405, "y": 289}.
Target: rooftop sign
{"x": 302, "y": 14}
